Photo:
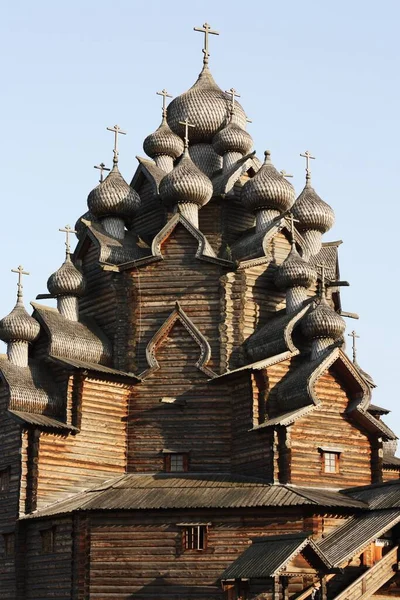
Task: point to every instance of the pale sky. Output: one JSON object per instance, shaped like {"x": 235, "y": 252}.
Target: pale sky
{"x": 312, "y": 75}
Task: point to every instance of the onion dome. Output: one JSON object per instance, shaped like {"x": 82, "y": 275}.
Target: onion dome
{"x": 113, "y": 197}
{"x": 323, "y": 322}
{"x": 232, "y": 138}
{"x": 311, "y": 211}
{"x": 67, "y": 280}
{"x": 19, "y": 326}
{"x": 295, "y": 272}
{"x": 186, "y": 184}
{"x": 206, "y": 106}
{"x": 268, "y": 189}
{"x": 163, "y": 142}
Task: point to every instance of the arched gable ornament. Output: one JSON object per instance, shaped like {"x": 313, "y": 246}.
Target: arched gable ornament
{"x": 178, "y": 314}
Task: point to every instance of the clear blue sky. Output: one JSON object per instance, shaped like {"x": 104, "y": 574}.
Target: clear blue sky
{"x": 314, "y": 75}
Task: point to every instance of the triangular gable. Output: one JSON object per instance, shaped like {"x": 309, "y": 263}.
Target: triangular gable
{"x": 147, "y": 170}
{"x": 178, "y": 314}
{"x": 224, "y": 181}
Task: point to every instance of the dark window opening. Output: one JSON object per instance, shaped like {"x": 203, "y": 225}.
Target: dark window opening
{"x": 4, "y": 480}
{"x": 195, "y": 537}
{"x": 48, "y": 538}
{"x": 9, "y": 544}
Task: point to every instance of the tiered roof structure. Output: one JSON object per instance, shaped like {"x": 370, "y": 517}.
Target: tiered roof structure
{"x": 187, "y": 423}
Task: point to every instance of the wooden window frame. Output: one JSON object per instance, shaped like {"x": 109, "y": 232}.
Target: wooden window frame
{"x": 193, "y": 533}
{"x": 9, "y": 544}
{"x": 168, "y": 462}
{"x": 5, "y": 480}
{"x": 48, "y": 546}
{"x": 325, "y": 453}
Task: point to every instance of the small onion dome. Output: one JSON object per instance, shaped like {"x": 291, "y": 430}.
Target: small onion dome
{"x": 67, "y": 280}
{"x": 268, "y": 189}
{"x": 163, "y": 142}
{"x": 206, "y": 106}
{"x": 232, "y": 138}
{"x": 18, "y": 326}
{"x": 312, "y": 212}
{"x": 295, "y": 272}
{"x": 186, "y": 184}
{"x": 113, "y": 197}
{"x": 323, "y": 322}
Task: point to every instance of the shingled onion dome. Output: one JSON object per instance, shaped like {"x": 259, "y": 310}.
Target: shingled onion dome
{"x": 187, "y": 187}
{"x": 323, "y": 326}
{"x": 295, "y": 276}
{"x": 164, "y": 146}
{"x": 232, "y": 143}
{"x": 114, "y": 203}
{"x": 67, "y": 284}
{"x": 18, "y": 329}
{"x": 314, "y": 215}
{"x": 268, "y": 194}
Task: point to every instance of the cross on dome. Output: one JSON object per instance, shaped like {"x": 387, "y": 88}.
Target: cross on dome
{"x": 67, "y": 230}
{"x": 116, "y": 130}
{"x": 102, "y": 167}
{"x": 21, "y": 272}
{"x": 284, "y": 174}
{"x": 354, "y": 335}
{"x": 186, "y": 125}
{"x": 292, "y": 221}
{"x": 165, "y": 95}
{"x": 233, "y": 94}
{"x": 308, "y": 157}
{"x": 206, "y": 29}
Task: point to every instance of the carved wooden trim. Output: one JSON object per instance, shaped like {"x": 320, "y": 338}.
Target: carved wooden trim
{"x": 178, "y": 314}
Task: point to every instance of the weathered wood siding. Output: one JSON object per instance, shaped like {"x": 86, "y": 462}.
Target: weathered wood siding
{"x": 96, "y": 453}
{"x": 329, "y": 426}
{"x": 10, "y": 444}
{"x": 141, "y": 556}
{"x": 390, "y": 474}
{"x": 198, "y": 422}
{"x": 48, "y": 575}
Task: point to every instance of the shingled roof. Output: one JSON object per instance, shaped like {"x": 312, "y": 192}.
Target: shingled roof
{"x": 192, "y": 490}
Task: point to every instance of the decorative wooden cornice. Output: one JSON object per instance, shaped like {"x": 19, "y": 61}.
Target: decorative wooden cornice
{"x": 178, "y": 314}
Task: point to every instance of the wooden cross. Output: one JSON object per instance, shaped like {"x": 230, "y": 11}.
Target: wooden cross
{"x": 102, "y": 168}
{"x": 292, "y": 221}
{"x": 165, "y": 95}
{"x": 187, "y": 125}
{"x": 206, "y": 29}
{"x": 284, "y": 174}
{"x": 308, "y": 157}
{"x": 20, "y": 272}
{"x": 67, "y": 230}
{"x": 354, "y": 335}
{"x": 233, "y": 94}
{"x": 116, "y": 130}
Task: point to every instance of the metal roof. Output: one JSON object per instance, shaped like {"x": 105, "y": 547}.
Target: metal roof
{"x": 41, "y": 420}
{"x": 267, "y": 556}
{"x": 378, "y": 496}
{"x": 357, "y": 534}
{"x": 191, "y": 490}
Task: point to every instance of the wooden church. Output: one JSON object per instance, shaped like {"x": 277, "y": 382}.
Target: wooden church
{"x": 186, "y": 424}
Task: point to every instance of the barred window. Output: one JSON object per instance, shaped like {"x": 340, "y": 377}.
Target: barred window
{"x": 48, "y": 538}
{"x": 195, "y": 537}
{"x": 9, "y": 544}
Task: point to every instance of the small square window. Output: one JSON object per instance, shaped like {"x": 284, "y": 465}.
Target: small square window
{"x": 176, "y": 463}
{"x": 4, "y": 480}
{"x": 330, "y": 462}
{"x": 9, "y": 544}
{"x": 48, "y": 540}
{"x": 195, "y": 537}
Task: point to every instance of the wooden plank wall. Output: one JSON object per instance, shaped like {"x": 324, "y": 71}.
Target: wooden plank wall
{"x": 140, "y": 556}
{"x": 48, "y": 575}
{"x": 95, "y": 454}
{"x": 200, "y": 421}
{"x": 330, "y": 426}
{"x": 10, "y": 444}
{"x": 179, "y": 277}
